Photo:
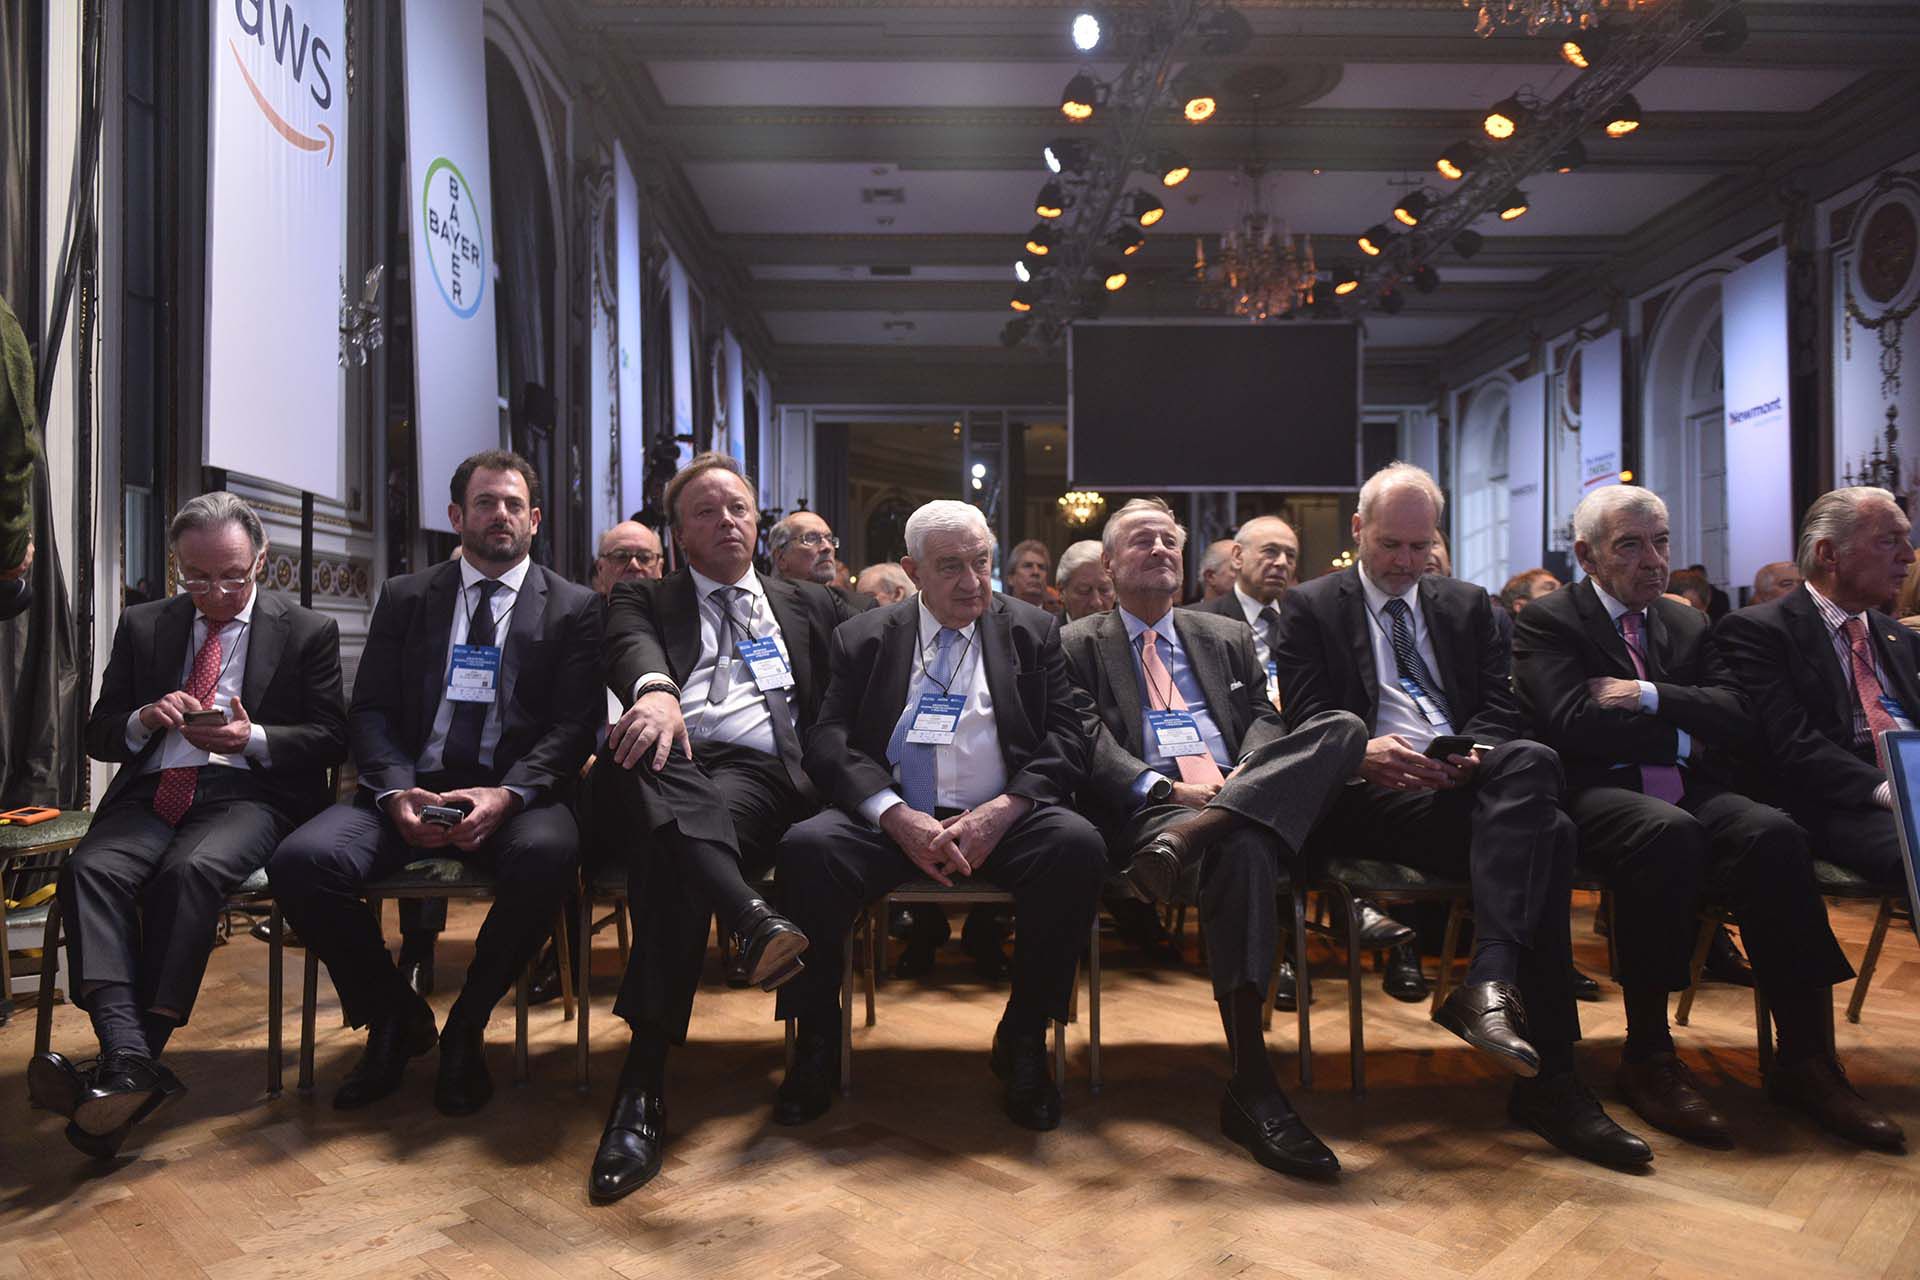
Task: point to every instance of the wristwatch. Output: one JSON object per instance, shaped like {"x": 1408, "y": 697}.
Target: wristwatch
{"x": 1160, "y": 790}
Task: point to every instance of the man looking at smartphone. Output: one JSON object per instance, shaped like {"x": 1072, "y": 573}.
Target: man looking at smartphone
{"x": 1418, "y": 657}
{"x": 222, "y": 705}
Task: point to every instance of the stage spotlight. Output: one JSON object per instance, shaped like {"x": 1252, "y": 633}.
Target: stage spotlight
{"x": 1426, "y": 279}
{"x": 1144, "y": 208}
{"x": 1021, "y": 271}
{"x": 1080, "y": 97}
{"x": 1624, "y": 118}
{"x": 1506, "y": 118}
{"x": 1726, "y": 33}
{"x": 1116, "y": 279}
{"x": 1513, "y": 204}
{"x": 1468, "y": 243}
{"x": 1051, "y": 202}
{"x": 1457, "y": 159}
{"x": 1412, "y": 207}
{"x": 1584, "y": 48}
{"x": 1570, "y": 157}
{"x": 1125, "y": 241}
{"x": 1068, "y": 155}
{"x": 1392, "y": 301}
{"x": 1014, "y": 332}
{"x": 1087, "y": 30}
{"x": 1040, "y": 240}
{"x": 1195, "y": 89}
{"x": 1346, "y": 278}
{"x": 1375, "y": 239}
{"x": 1172, "y": 168}
{"x": 1021, "y": 301}
{"x": 1224, "y": 32}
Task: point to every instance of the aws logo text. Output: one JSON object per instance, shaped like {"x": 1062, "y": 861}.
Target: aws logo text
{"x": 304, "y": 56}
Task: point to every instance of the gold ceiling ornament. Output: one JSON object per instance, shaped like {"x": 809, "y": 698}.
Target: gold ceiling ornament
{"x": 1263, "y": 270}
{"x": 1538, "y": 15}
{"x": 1081, "y": 507}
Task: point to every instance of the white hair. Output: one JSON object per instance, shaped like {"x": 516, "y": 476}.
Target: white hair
{"x": 1401, "y": 475}
{"x": 1833, "y": 517}
{"x": 944, "y": 515}
{"x": 883, "y": 576}
{"x": 1110, "y": 535}
{"x": 1242, "y": 534}
{"x": 1217, "y": 555}
{"x": 1594, "y": 518}
{"x": 1075, "y": 558}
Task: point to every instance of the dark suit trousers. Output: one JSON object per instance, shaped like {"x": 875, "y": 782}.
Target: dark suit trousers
{"x": 1506, "y": 832}
{"x": 321, "y": 873}
{"x": 745, "y": 800}
{"x": 1052, "y": 861}
{"x": 1659, "y": 860}
{"x": 142, "y": 899}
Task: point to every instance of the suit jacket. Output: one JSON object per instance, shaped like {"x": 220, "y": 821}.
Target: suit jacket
{"x": 16, "y": 596}
{"x": 291, "y": 690}
{"x": 856, "y": 601}
{"x": 1326, "y": 654}
{"x": 1780, "y": 654}
{"x": 1562, "y": 640}
{"x": 548, "y": 697}
{"x": 1101, "y": 661}
{"x": 1041, "y": 717}
{"x": 1226, "y": 606}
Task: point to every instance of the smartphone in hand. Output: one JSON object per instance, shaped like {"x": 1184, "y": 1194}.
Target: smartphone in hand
{"x": 1449, "y": 744}
{"x": 446, "y": 815}
{"x": 209, "y": 716}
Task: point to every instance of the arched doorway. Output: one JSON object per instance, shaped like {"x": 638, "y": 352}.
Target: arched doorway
{"x": 1683, "y": 443}
{"x": 1480, "y": 498}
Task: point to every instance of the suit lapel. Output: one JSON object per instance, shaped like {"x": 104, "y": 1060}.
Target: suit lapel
{"x": 996, "y": 650}
{"x": 1600, "y": 629}
{"x": 430, "y": 639}
{"x": 1209, "y": 667}
{"x": 681, "y": 615}
{"x": 1116, "y": 656}
{"x": 1359, "y": 629}
{"x": 1816, "y": 646}
{"x": 1659, "y": 645}
{"x": 529, "y": 609}
{"x": 172, "y": 632}
{"x": 783, "y": 600}
{"x": 893, "y": 671}
{"x": 1445, "y": 651}
{"x": 263, "y": 649}
{"x": 1895, "y": 661}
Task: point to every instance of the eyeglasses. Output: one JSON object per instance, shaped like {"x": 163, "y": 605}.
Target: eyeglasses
{"x": 818, "y": 540}
{"x": 226, "y": 586}
{"x": 645, "y": 559}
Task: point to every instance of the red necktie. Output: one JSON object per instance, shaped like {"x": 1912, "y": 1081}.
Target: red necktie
{"x": 1866, "y": 684}
{"x": 1661, "y": 781}
{"x": 1164, "y": 695}
{"x": 174, "y": 796}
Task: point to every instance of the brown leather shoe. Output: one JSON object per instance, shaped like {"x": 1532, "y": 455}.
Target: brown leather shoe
{"x": 1819, "y": 1087}
{"x": 1667, "y": 1097}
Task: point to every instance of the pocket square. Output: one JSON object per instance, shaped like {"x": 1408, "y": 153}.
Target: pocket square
{"x": 1237, "y": 684}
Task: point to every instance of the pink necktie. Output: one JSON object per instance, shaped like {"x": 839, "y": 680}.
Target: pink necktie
{"x": 1866, "y": 685}
{"x": 174, "y": 796}
{"x": 1164, "y": 695}
{"x": 1661, "y": 781}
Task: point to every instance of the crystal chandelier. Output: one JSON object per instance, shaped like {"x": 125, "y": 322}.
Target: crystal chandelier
{"x": 1263, "y": 271}
{"x": 1081, "y": 507}
{"x": 1538, "y": 15}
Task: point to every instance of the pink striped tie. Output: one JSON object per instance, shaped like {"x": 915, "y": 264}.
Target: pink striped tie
{"x": 1661, "y": 781}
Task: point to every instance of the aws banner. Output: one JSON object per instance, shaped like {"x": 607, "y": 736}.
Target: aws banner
{"x": 1753, "y": 326}
{"x": 276, "y": 202}
{"x": 456, "y": 377}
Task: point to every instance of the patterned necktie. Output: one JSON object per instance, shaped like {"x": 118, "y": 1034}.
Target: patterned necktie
{"x": 723, "y": 599}
{"x": 1661, "y": 781}
{"x": 174, "y": 796}
{"x": 1270, "y": 631}
{"x": 1866, "y": 684}
{"x": 462, "y": 753}
{"x": 1164, "y": 695}
{"x": 919, "y": 781}
{"x": 1406, "y": 657}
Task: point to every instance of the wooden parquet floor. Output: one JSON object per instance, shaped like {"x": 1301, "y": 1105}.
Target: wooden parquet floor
{"x": 919, "y": 1174}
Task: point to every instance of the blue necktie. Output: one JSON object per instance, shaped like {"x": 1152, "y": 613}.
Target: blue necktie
{"x": 1407, "y": 658}
{"x": 919, "y": 786}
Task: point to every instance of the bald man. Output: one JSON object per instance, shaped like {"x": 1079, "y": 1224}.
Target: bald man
{"x": 1781, "y": 578}
{"x": 1266, "y": 555}
{"x": 804, "y": 549}
{"x": 886, "y": 582}
{"x": 628, "y": 552}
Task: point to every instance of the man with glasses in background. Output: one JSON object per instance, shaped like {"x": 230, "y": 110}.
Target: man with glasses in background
{"x": 803, "y": 547}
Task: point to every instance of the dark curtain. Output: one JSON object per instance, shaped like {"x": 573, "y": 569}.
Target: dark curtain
{"x": 830, "y": 473}
{"x": 39, "y": 681}
{"x": 523, "y": 246}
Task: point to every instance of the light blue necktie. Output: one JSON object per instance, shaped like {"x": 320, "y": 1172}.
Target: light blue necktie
{"x": 919, "y": 786}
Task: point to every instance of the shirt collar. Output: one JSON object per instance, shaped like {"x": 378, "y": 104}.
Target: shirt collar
{"x": 1377, "y": 598}
{"x": 930, "y": 625}
{"x": 1249, "y": 606}
{"x": 1830, "y": 613}
{"x": 1163, "y": 628}
{"x": 244, "y": 617}
{"x": 511, "y": 579}
{"x": 749, "y": 582}
{"x": 1614, "y": 608}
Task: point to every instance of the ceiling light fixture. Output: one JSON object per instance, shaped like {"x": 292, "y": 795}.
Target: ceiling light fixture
{"x": 1021, "y": 301}
{"x": 1581, "y": 49}
{"x": 1172, "y": 168}
{"x": 1375, "y": 239}
{"x": 1412, "y": 207}
{"x": 1457, "y": 159}
{"x": 1051, "y": 202}
{"x": 1041, "y": 239}
{"x": 1513, "y": 204}
{"x": 1346, "y": 278}
{"x": 1086, "y": 32}
{"x": 1506, "y": 117}
{"x": 1021, "y": 271}
{"x": 1080, "y": 97}
{"x": 1570, "y": 157}
{"x": 1125, "y": 240}
{"x": 1624, "y": 118}
{"x": 1067, "y": 155}
{"x": 1196, "y": 89}
{"x": 1145, "y": 208}
{"x": 1116, "y": 280}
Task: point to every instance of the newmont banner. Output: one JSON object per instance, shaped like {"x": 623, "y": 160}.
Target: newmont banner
{"x": 1753, "y": 325}
{"x": 277, "y": 162}
{"x": 456, "y": 377}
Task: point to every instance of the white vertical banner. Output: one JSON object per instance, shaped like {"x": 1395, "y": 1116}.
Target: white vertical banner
{"x": 1600, "y": 412}
{"x": 276, "y": 203}
{"x": 633, "y": 422}
{"x": 450, "y": 199}
{"x": 1527, "y": 473}
{"x": 680, "y": 351}
{"x": 737, "y": 424}
{"x": 1754, "y": 354}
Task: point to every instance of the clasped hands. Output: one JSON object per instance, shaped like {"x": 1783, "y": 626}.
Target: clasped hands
{"x": 491, "y": 807}
{"x": 954, "y": 846}
{"x": 1392, "y": 762}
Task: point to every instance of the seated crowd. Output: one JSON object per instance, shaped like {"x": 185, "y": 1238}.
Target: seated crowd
{"x": 711, "y": 728}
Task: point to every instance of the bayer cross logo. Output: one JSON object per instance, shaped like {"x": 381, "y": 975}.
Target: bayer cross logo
{"x": 452, "y": 233}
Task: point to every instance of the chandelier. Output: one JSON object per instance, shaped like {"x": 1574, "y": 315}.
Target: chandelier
{"x": 1263, "y": 270}
{"x": 1538, "y": 15}
{"x": 1081, "y": 507}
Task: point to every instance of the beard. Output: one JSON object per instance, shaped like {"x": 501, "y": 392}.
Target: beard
{"x": 481, "y": 544}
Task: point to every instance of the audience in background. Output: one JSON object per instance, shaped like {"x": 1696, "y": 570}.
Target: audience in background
{"x": 1718, "y": 606}
{"x": 1773, "y": 581}
{"x": 1439, "y": 559}
{"x": 1028, "y": 566}
{"x": 886, "y": 582}
{"x": 804, "y": 549}
{"x": 1216, "y": 571}
{"x": 628, "y": 551}
{"x": 1525, "y": 587}
{"x": 1691, "y": 585}
{"x": 1086, "y": 587}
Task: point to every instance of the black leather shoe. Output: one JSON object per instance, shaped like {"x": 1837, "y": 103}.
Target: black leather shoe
{"x": 1490, "y": 1017}
{"x": 105, "y": 1146}
{"x": 1380, "y": 931}
{"x": 101, "y": 1146}
{"x": 1154, "y": 872}
{"x": 1564, "y": 1111}
{"x": 916, "y": 960}
{"x": 1286, "y": 991}
{"x": 1403, "y": 979}
{"x": 806, "y": 1093}
{"x": 405, "y": 1034}
{"x": 417, "y": 973}
{"x": 55, "y": 1084}
{"x": 262, "y": 929}
{"x": 769, "y": 945}
{"x": 115, "y": 1092}
{"x": 1819, "y": 1088}
{"x": 1274, "y": 1134}
{"x": 631, "y": 1146}
{"x": 543, "y": 984}
{"x": 1725, "y": 963}
{"x": 1584, "y": 988}
{"x": 1667, "y": 1097}
{"x": 463, "y": 1085}
{"x": 1033, "y": 1099}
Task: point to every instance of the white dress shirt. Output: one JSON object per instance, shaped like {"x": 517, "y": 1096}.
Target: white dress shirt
{"x": 1251, "y": 608}
{"x": 176, "y": 752}
{"x": 1649, "y": 693}
{"x": 1398, "y": 714}
{"x": 971, "y": 771}
{"x": 742, "y": 717}
{"x": 432, "y": 756}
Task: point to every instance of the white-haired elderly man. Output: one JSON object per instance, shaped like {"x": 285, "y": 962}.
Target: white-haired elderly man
{"x": 1450, "y": 784}
{"x": 949, "y": 746}
{"x": 1628, "y": 687}
{"x": 1086, "y": 588}
{"x": 886, "y": 582}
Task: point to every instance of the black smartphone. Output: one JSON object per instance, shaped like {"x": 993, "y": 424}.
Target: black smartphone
{"x": 446, "y": 815}
{"x": 1449, "y": 744}
{"x": 212, "y": 715}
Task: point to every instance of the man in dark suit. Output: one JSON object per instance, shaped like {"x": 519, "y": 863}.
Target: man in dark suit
{"x": 1627, "y": 687}
{"x": 1418, "y": 657}
{"x": 722, "y": 670}
{"x": 223, "y": 708}
{"x": 1192, "y": 765}
{"x": 950, "y": 745}
{"x": 477, "y": 691}
{"x": 804, "y": 549}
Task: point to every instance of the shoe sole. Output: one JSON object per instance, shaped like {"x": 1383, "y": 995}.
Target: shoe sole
{"x": 780, "y": 963}
{"x": 98, "y": 1117}
{"x": 52, "y": 1089}
{"x": 1513, "y": 1062}
{"x": 1150, "y": 880}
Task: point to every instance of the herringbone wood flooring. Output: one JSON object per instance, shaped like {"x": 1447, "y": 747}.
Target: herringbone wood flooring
{"x": 920, "y": 1175}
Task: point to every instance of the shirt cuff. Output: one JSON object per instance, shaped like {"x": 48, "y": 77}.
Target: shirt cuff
{"x": 1143, "y": 784}
{"x": 527, "y": 795}
{"x": 256, "y": 748}
{"x": 137, "y": 732}
{"x": 878, "y": 803}
{"x": 1649, "y": 697}
{"x": 1883, "y": 795}
{"x": 651, "y": 675}
{"x": 1682, "y": 747}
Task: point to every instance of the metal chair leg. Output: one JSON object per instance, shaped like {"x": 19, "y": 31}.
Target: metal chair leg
{"x": 1449, "y": 949}
{"x": 275, "y": 998}
{"x": 1709, "y": 923}
{"x": 520, "y": 1028}
{"x": 563, "y": 955}
{"x": 1093, "y": 1005}
{"x": 1870, "y": 960}
{"x": 1356, "y": 1023}
{"x": 846, "y": 1018}
{"x": 1303, "y": 993}
{"x": 49, "y": 965}
{"x": 309, "y": 999}
{"x": 1060, "y": 1054}
{"x": 620, "y": 930}
{"x": 875, "y": 922}
{"x": 583, "y": 1056}
{"x": 1763, "y": 1028}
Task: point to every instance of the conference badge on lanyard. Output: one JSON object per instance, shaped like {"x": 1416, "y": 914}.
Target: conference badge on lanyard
{"x": 1426, "y": 705}
{"x": 474, "y": 675}
{"x": 936, "y": 719}
{"x": 768, "y": 664}
{"x": 1176, "y": 733}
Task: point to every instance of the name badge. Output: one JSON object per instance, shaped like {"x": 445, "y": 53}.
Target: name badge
{"x": 1892, "y": 707}
{"x": 1424, "y": 704}
{"x": 936, "y": 719}
{"x": 1176, "y": 733}
{"x": 768, "y": 664}
{"x": 475, "y": 673}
